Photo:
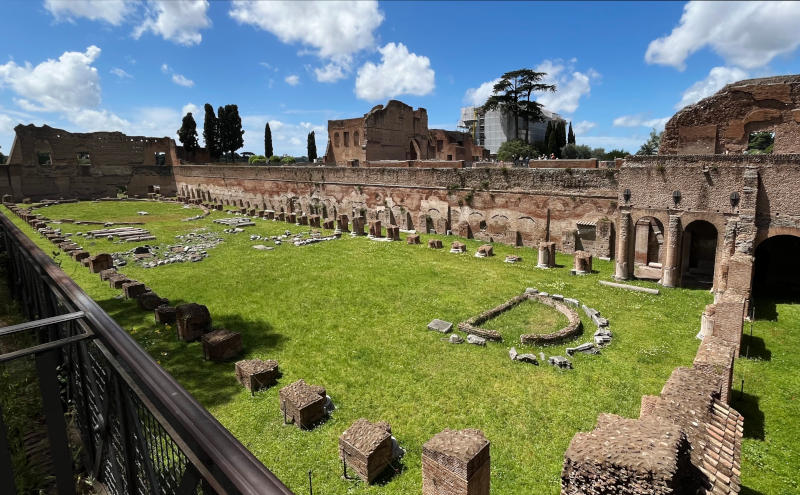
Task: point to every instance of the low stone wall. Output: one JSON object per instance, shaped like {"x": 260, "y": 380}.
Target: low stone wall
{"x": 572, "y": 330}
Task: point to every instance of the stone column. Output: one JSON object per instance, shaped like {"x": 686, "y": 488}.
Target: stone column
{"x": 623, "y": 268}
{"x": 672, "y": 266}
{"x": 456, "y": 462}
{"x": 547, "y": 251}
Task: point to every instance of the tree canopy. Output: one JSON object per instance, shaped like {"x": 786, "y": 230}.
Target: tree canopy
{"x": 187, "y": 134}
{"x": 268, "y": 141}
{"x": 230, "y": 129}
{"x": 211, "y": 133}
{"x": 513, "y": 150}
{"x": 512, "y": 94}
{"x": 570, "y": 135}
{"x": 650, "y": 147}
{"x": 312, "y": 147}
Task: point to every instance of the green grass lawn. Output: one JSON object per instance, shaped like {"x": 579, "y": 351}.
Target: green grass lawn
{"x": 527, "y": 317}
{"x": 351, "y": 315}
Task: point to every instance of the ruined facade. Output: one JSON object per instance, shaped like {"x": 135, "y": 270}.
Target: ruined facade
{"x": 45, "y": 162}
{"x": 396, "y": 133}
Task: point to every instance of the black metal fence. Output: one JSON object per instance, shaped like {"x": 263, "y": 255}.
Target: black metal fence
{"x": 140, "y": 431}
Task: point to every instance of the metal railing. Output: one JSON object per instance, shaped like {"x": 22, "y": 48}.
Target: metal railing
{"x": 141, "y": 432}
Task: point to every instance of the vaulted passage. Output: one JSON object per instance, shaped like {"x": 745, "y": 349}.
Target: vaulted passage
{"x": 776, "y": 271}
{"x": 699, "y": 253}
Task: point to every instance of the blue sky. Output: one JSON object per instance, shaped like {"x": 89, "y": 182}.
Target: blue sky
{"x": 138, "y": 66}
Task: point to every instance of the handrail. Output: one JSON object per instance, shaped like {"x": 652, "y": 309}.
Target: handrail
{"x": 226, "y": 455}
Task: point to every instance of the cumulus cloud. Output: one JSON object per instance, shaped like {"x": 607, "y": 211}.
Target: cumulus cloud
{"x": 334, "y": 30}
{"x": 7, "y": 123}
{"x": 182, "y": 80}
{"x": 582, "y": 127}
{"x": 478, "y": 96}
{"x": 400, "y": 72}
{"x": 640, "y": 121}
{"x": 571, "y": 85}
{"x": 716, "y": 79}
{"x": 191, "y": 107}
{"x": 93, "y": 120}
{"x": 292, "y": 80}
{"x": 110, "y": 11}
{"x": 176, "y": 20}
{"x": 746, "y": 34}
{"x": 120, "y": 73}
{"x": 60, "y": 85}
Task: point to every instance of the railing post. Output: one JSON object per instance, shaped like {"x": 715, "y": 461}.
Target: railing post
{"x": 56, "y": 426}
{"x": 6, "y": 468}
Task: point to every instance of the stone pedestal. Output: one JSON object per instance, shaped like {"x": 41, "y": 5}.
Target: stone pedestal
{"x": 302, "y": 404}
{"x": 344, "y": 223}
{"x": 375, "y": 229}
{"x": 221, "y": 344}
{"x": 164, "y": 315}
{"x": 583, "y": 263}
{"x": 314, "y": 221}
{"x": 100, "y": 262}
{"x": 79, "y": 255}
{"x": 412, "y": 239}
{"x": 269, "y": 214}
{"x": 393, "y": 232}
{"x": 255, "y": 374}
{"x": 133, "y": 290}
{"x": 291, "y": 218}
{"x": 456, "y": 462}
{"x": 149, "y": 301}
{"x": 193, "y": 321}
{"x": 280, "y": 216}
{"x": 486, "y": 250}
{"x": 366, "y": 448}
{"x": 435, "y": 243}
{"x": 547, "y": 255}
{"x": 116, "y": 281}
{"x": 458, "y": 247}
{"x": 105, "y": 274}
{"x": 358, "y": 225}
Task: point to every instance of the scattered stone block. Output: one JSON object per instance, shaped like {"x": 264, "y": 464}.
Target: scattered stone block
{"x": 456, "y": 462}
{"x": 133, "y": 289}
{"x": 435, "y": 243}
{"x": 221, "y": 344}
{"x": 302, "y": 404}
{"x": 523, "y": 358}
{"x": 572, "y": 302}
{"x": 193, "y": 321}
{"x": 587, "y": 348}
{"x": 458, "y": 247}
{"x": 438, "y": 325}
{"x": 100, "y": 262}
{"x": 412, "y": 239}
{"x": 560, "y": 362}
{"x": 366, "y": 448}
{"x": 165, "y": 315}
{"x": 474, "y": 339}
{"x": 455, "y": 339}
{"x": 149, "y": 301}
{"x": 513, "y": 258}
{"x": 255, "y": 374}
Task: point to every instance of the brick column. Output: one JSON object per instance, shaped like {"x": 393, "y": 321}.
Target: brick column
{"x": 672, "y": 262}
{"x": 456, "y": 462}
{"x": 623, "y": 269}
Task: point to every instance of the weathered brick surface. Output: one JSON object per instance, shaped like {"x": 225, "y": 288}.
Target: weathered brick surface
{"x": 456, "y": 462}
{"x": 366, "y": 448}
{"x": 221, "y": 344}
{"x": 256, "y": 374}
{"x": 302, "y": 404}
{"x": 193, "y": 321}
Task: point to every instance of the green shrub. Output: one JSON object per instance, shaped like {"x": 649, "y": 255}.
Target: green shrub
{"x": 257, "y": 159}
{"x": 287, "y": 159}
{"x": 274, "y": 159}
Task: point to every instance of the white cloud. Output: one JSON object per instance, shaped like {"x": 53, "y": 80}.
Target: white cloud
{"x": 182, "y": 80}
{"x": 716, "y": 79}
{"x": 55, "y": 85}
{"x": 571, "y": 85}
{"x": 399, "y": 72}
{"x": 120, "y": 73}
{"x": 331, "y": 72}
{"x": 334, "y": 30}
{"x": 582, "y": 127}
{"x": 191, "y": 107}
{"x": 111, "y": 11}
{"x": 478, "y": 96}
{"x": 292, "y": 80}
{"x": 640, "y": 121}
{"x": 92, "y": 120}
{"x": 176, "y": 20}
{"x": 7, "y": 123}
{"x": 268, "y": 66}
{"x": 746, "y": 34}
{"x": 165, "y": 68}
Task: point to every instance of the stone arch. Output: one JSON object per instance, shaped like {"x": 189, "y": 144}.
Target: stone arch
{"x": 699, "y": 253}
{"x": 497, "y": 225}
{"x": 413, "y": 150}
{"x": 525, "y": 231}
{"x": 649, "y": 248}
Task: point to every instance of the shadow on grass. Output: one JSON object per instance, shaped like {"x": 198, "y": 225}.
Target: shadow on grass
{"x": 754, "y": 348}
{"x": 748, "y": 406}
{"x": 749, "y": 491}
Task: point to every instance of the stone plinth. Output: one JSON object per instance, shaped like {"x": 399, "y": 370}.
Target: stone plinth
{"x": 393, "y": 232}
{"x": 486, "y": 250}
{"x": 435, "y": 243}
{"x": 221, "y": 344}
{"x": 255, "y": 374}
{"x": 106, "y": 274}
{"x": 280, "y": 216}
{"x": 329, "y": 224}
{"x": 375, "y": 229}
{"x": 193, "y": 321}
{"x": 456, "y": 462}
{"x": 547, "y": 255}
{"x": 302, "y": 220}
{"x": 344, "y": 222}
{"x": 458, "y": 247}
{"x": 149, "y": 301}
{"x": 269, "y": 214}
{"x": 412, "y": 239}
{"x": 366, "y": 448}
{"x": 302, "y": 404}
{"x": 583, "y": 263}
{"x": 291, "y": 218}
{"x": 358, "y": 225}
{"x": 165, "y": 315}
{"x": 133, "y": 289}
{"x": 314, "y": 221}
{"x": 116, "y": 281}
{"x": 100, "y": 262}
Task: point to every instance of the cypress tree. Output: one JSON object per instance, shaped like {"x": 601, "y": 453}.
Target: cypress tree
{"x": 570, "y": 135}
{"x": 561, "y": 137}
{"x": 547, "y": 135}
{"x": 187, "y": 134}
{"x": 230, "y": 129}
{"x": 268, "y": 142}
{"x": 552, "y": 142}
{"x": 211, "y": 133}
{"x": 312, "y": 147}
